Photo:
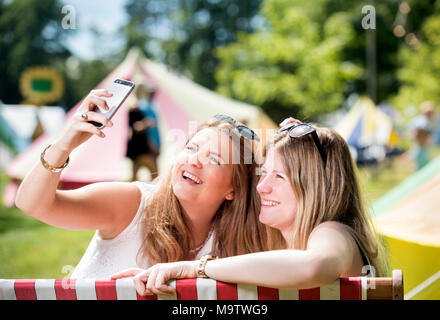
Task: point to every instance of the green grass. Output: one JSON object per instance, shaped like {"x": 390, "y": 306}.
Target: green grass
{"x": 40, "y": 252}
{"x": 32, "y": 249}
{"x": 377, "y": 180}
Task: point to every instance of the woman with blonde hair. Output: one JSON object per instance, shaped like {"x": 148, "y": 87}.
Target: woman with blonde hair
{"x": 234, "y": 224}
{"x": 310, "y": 193}
{"x": 202, "y": 205}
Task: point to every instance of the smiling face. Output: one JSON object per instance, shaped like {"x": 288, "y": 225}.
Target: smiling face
{"x": 278, "y": 200}
{"x": 202, "y": 173}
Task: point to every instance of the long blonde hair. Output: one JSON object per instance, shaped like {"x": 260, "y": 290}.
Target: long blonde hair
{"x": 328, "y": 192}
{"x": 236, "y": 227}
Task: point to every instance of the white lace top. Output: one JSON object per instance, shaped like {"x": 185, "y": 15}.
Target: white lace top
{"x": 106, "y": 257}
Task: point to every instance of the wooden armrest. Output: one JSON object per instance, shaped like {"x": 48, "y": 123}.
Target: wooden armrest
{"x": 386, "y": 288}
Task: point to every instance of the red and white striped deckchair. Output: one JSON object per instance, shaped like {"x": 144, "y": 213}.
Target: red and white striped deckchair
{"x": 353, "y": 288}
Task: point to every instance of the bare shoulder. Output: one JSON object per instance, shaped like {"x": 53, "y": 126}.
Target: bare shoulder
{"x": 124, "y": 196}
{"x": 332, "y": 241}
{"x": 332, "y": 233}
{"x": 332, "y": 226}
{"x": 121, "y": 200}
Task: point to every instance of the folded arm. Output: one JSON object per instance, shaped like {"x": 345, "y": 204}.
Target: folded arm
{"x": 329, "y": 254}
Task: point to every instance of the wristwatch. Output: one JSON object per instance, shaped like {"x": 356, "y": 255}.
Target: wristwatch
{"x": 202, "y": 264}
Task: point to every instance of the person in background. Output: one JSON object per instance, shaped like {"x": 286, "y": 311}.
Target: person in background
{"x": 309, "y": 191}
{"x": 143, "y": 146}
{"x": 422, "y": 127}
{"x": 428, "y": 109}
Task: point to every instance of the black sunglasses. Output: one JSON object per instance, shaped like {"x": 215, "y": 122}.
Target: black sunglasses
{"x": 297, "y": 130}
{"x": 242, "y": 130}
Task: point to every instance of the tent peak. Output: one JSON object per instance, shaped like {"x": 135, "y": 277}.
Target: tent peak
{"x": 135, "y": 54}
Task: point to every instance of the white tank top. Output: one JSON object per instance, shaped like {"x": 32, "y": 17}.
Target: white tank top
{"x": 106, "y": 257}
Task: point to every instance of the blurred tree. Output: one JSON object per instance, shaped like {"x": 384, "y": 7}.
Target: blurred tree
{"x": 312, "y": 54}
{"x": 420, "y": 60}
{"x": 294, "y": 66}
{"x": 305, "y": 58}
{"x": 30, "y": 34}
{"x": 82, "y": 76}
{"x": 183, "y": 33}
{"x": 395, "y": 20}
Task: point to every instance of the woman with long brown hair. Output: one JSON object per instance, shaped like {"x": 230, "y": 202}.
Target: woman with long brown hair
{"x": 202, "y": 205}
{"x": 310, "y": 193}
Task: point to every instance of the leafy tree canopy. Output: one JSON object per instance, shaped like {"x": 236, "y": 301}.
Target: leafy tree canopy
{"x": 184, "y": 33}
{"x": 30, "y": 35}
{"x": 295, "y": 65}
{"x": 420, "y": 69}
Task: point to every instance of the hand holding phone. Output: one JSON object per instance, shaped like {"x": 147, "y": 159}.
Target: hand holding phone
{"x": 120, "y": 90}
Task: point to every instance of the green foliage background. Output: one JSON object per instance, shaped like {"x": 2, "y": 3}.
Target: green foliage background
{"x": 420, "y": 69}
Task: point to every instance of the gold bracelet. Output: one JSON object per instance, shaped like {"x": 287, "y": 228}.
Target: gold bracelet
{"x": 48, "y": 166}
{"x": 202, "y": 264}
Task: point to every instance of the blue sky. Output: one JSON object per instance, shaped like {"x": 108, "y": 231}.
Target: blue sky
{"x": 104, "y": 15}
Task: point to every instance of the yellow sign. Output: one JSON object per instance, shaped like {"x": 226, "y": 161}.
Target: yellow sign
{"x": 41, "y": 85}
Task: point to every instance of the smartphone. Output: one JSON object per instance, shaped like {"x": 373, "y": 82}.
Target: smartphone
{"x": 120, "y": 89}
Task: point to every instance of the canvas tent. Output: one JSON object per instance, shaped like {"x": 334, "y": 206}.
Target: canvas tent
{"x": 8, "y": 148}
{"x": 8, "y": 141}
{"x": 181, "y": 105}
{"x": 369, "y": 132}
{"x": 21, "y": 122}
{"x": 409, "y": 218}
{"x": 19, "y": 125}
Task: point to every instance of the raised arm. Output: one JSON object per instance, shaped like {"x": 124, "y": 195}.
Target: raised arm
{"x": 103, "y": 206}
{"x": 328, "y": 256}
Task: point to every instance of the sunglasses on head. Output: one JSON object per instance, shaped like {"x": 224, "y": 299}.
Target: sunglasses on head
{"x": 297, "y": 130}
{"x": 242, "y": 130}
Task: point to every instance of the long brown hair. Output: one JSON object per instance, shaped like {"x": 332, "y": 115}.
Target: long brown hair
{"x": 328, "y": 192}
{"x": 236, "y": 227}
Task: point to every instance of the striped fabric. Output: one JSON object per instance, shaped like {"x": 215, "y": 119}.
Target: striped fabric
{"x": 354, "y": 288}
